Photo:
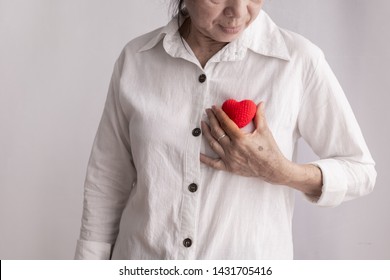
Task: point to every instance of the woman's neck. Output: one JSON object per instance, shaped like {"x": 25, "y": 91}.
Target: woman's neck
{"x": 203, "y": 47}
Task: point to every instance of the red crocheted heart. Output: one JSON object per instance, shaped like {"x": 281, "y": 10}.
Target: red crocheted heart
{"x": 240, "y": 112}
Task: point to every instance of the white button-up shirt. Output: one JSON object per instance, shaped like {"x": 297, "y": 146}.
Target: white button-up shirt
{"x": 147, "y": 195}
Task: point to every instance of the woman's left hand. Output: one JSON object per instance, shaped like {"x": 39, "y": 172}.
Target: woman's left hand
{"x": 255, "y": 154}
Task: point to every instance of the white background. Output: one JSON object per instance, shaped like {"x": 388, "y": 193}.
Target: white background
{"x": 56, "y": 59}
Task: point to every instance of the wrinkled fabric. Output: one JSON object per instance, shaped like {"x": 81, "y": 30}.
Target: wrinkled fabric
{"x": 137, "y": 200}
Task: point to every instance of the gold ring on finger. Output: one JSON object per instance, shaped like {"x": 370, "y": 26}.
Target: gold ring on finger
{"x": 220, "y": 137}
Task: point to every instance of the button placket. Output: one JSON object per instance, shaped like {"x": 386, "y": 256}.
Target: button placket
{"x": 192, "y": 173}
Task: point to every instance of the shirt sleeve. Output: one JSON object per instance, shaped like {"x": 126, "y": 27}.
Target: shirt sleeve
{"x": 110, "y": 177}
{"x": 328, "y": 125}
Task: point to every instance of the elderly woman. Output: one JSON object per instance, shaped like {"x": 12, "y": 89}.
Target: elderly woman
{"x": 171, "y": 176}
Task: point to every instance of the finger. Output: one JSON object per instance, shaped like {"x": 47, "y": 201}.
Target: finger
{"x": 215, "y": 127}
{"x": 260, "y": 121}
{"x": 229, "y": 126}
{"x": 212, "y": 162}
{"x": 215, "y": 146}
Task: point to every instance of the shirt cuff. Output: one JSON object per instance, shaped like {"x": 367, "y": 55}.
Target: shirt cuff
{"x": 334, "y": 182}
{"x": 92, "y": 250}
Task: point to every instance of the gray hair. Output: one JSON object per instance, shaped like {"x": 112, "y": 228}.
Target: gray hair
{"x": 177, "y": 9}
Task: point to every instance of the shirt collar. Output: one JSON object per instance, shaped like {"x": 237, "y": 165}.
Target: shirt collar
{"x": 263, "y": 36}
{"x": 170, "y": 30}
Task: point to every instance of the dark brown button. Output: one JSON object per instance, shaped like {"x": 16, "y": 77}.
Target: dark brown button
{"x": 187, "y": 242}
{"x": 202, "y": 78}
{"x": 196, "y": 132}
{"x": 193, "y": 187}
